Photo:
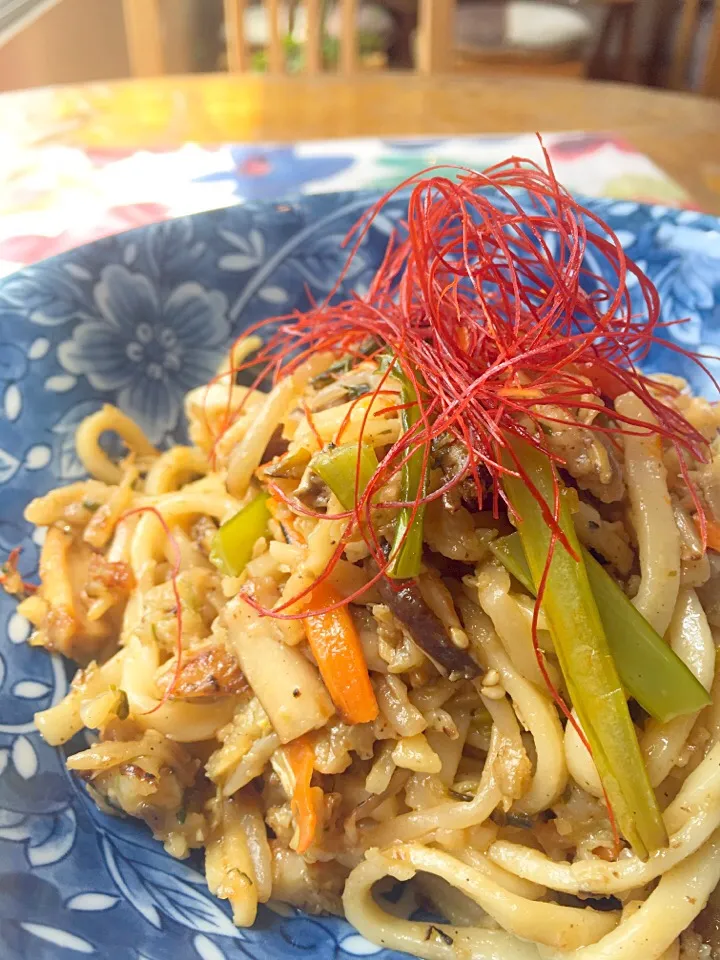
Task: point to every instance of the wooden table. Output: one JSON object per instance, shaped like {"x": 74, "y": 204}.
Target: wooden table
{"x": 679, "y": 132}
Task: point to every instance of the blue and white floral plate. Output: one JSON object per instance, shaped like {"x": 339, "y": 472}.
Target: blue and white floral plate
{"x": 137, "y": 320}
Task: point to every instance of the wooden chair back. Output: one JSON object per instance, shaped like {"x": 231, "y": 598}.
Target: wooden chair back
{"x": 144, "y": 29}
{"x": 695, "y": 43}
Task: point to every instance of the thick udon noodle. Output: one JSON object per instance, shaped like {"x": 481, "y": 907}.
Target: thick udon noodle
{"x": 478, "y": 790}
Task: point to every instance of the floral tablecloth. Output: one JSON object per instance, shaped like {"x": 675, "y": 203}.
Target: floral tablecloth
{"x": 54, "y": 197}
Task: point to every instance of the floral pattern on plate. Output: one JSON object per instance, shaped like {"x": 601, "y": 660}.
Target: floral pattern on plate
{"x": 138, "y": 319}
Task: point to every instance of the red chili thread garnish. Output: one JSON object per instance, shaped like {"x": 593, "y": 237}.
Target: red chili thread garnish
{"x": 311, "y": 423}
{"x": 174, "y": 573}
{"x": 345, "y": 422}
{"x": 523, "y": 305}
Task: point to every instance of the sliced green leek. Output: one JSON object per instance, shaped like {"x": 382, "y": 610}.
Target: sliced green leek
{"x": 509, "y": 551}
{"x": 584, "y": 653}
{"x": 338, "y": 468}
{"x": 233, "y": 544}
{"x": 650, "y": 670}
{"x": 406, "y": 550}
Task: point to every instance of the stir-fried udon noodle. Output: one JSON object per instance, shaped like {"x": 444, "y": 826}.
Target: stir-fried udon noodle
{"x": 429, "y": 600}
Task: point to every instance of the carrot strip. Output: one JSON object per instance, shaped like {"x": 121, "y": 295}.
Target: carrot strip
{"x": 336, "y": 647}
{"x": 712, "y": 533}
{"x": 301, "y": 757}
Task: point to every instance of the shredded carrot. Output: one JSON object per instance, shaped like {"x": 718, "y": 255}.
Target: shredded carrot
{"x": 336, "y": 647}
{"x": 301, "y": 758}
{"x": 712, "y": 532}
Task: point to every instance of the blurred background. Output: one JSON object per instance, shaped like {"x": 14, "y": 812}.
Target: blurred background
{"x": 657, "y": 42}
{"x": 118, "y": 113}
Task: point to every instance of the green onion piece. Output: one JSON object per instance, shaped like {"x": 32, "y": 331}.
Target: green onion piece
{"x": 509, "y": 551}
{"x": 406, "y": 551}
{"x": 584, "y": 654}
{"x": 338, "y": 468}
{"x": 233, "y": 544}
{"x": 649, "y": 668}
